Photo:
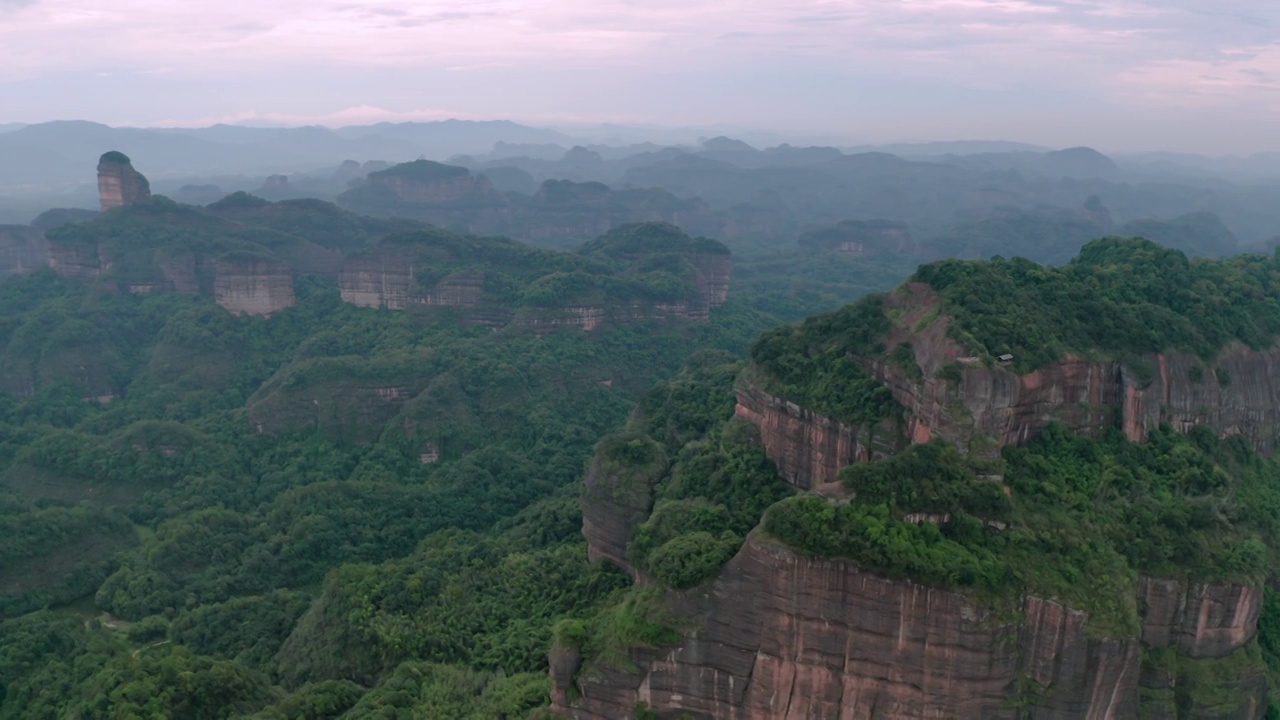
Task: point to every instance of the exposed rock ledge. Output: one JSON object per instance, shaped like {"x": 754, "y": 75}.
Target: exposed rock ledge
{"x": 781, "y": 636}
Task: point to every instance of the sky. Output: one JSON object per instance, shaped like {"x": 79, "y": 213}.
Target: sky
{"x": 1130, "y": 75}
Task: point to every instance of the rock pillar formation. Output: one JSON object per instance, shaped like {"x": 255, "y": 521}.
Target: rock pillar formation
{"x": 118, "y": 183}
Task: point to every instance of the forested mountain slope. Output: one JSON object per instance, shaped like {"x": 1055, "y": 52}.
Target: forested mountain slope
{"x": 1002, "y": 490}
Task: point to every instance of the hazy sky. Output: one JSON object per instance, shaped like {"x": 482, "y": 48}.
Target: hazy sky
{"x": 1174, "y": 74}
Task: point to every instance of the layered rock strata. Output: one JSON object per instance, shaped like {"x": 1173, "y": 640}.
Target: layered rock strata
{"x": 983, "y": 407}
{"x": 780, "y": 636}
{"x": 118, "y": 183}
{"x": 253, "y": 286}
{"x": 22, "y": 250}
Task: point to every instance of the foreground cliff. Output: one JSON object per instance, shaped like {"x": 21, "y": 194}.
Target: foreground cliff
{"x": 1010, "y": 520}
{"x": 779, "y": 635}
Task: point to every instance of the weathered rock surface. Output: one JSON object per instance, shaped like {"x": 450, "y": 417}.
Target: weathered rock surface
{"x": 990, "y": 406}
{"x": 78, "y": 261}
{"x": 253, "y": 286}
{"x": 713, "y": 275}
{"x": 1236, "y": 395}
{"x": 22, "y": 250}
{"x": 809, "y": 448}
{"x": 782, "y": 636}
{"x": 118, "y": 183}
{"x": 615, "y": 501}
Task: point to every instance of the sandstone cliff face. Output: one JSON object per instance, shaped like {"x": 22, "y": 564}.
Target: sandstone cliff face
{"x": 253, "y": 287}
{"x": 782, "y": 636}
{"x": 1235, "y": 395}
{"x": 808, "y": 448}
{"x": 118, "y": 183}
{"x": 389, "y": 281}
{"x": 713, "y": 274}
{"x": 77, "y": 261}
{"x": 612, "y": 508}
{"x": 22, "y": 250}
{"x": 983, "y": 408}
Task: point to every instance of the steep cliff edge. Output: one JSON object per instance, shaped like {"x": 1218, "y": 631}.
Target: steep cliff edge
{"x": 22, "y": 249}
{"x": 157, "y": 245}
{"x": 779, "y": 635}
{"x": 118, "y": 183}
{"x": 495, "y": 281}
{"x": 253, "y": 285}
{"x": 1009, "y": 521}
{"x": 953, "y": 378}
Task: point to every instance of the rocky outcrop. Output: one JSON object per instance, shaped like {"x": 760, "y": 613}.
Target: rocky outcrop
{"x": 982, "y": 406}
{"x": 253, "y": 286}
{"x": 778, "y": 635}
{"x": 1237, "y": 394}
{"x": 379, "y": 281}
{"x": 1198, "y": 620}
{"x": 77, "y": 261}
{"x": 616, "y": 499}
{"x": 390, "y": 282}
{"x": 118, "y": 183}
{"x": 22, "y": 250}
{"x": 713, "y": 272}
{"x": 809, "y": 448}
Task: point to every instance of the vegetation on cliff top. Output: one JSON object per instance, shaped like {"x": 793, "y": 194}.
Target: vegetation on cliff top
{"x": 815, "y": 363}
{"x": 651, "y": 238}
{"x": 1081, "y": 519}
{"x": 1118, "y": 296}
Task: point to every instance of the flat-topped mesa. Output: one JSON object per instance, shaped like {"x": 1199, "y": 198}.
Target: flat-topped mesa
{"x": 118, "y": 183}
{"x": 444, "y": 195}
{"x": 649, "y": 244}
{"x": 496, "y": 281}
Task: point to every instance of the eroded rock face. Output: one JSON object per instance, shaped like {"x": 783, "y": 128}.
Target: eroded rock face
{"x": 253, "y": 287}
{"x": 389, "y": 281}
{"x": 984, "y": 408}
{"x": 1199, "y": 620}
{"x": 118, "y": 183}
{"x": 22, "y": 250}
{"x": 781, "y": 636}
{"x": 809, "y": 448}
{"x": 713, "y": 275}
{"x": 615, "y": 501}
{"x": 77, "y": 261}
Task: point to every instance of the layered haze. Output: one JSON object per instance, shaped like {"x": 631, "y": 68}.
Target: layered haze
{"x": 1121, "y": 76}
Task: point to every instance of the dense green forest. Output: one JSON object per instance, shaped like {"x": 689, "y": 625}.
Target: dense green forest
{"x": 342, "y": 511}
{"x": 333, "y": 509}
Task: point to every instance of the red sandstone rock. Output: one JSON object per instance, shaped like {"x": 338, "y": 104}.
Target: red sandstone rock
{"x": 118, "y": 183}
{"x": 781, "y": 636}
{"x": 253, "y": 287}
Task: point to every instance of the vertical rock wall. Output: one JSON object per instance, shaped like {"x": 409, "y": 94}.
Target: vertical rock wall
{"x": 118, "y": 183}
{"x": 780, "y": 636}
{"x": 253, "y": 287}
